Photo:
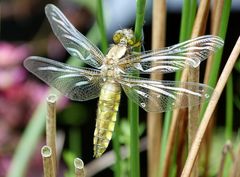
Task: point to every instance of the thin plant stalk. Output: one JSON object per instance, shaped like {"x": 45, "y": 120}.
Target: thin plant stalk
{"x": 216, "y": 15}
{"x": 48, "y": 166}
{"x": 133, "y": 109}
{"x": 193, "y": 76}
{"x": 184, "y": 21}
{"x": 171, "y": 124}
{"x": 116, "y": 147}
{"x": 51, "y": 128}
{"x": 102, "y": 28}
{"x": 210, "y": 109}
{"x": 215, "y": 25}
{"x": 226, "y": 150}
{"x": 181, "y": 148}
{"x": 79, "y": 168}
{"x": 177, "y": 113}
{"x": 154, "y": 119}
{"x": 222, "y": 33}
{"x": 235, "y": 172}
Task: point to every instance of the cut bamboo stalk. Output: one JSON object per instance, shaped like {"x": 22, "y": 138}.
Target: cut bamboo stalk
{"x": 210, "y": 109}
{"x": 79, "y": 167}
{"x": 193, "y": 76}
{"x": 48, "y": 166}
{"x": 51, "y": 128}
{"x": 154, "y": 125}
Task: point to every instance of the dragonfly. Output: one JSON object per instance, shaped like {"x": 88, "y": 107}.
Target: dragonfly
{"x": 109, "y": 74}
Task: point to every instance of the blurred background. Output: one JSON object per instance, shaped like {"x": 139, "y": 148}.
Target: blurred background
{"x": 25, "y": 31}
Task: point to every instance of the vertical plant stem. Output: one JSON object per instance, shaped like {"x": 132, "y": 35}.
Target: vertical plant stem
{"x": 210, "y": 109}
{"x": 235, "y": 172}
{"x": 48, "y": 166}
{"x": 154, "y": 119}
{"x": 193, "y": 76}
{"x": 79, "y": 168}
{"x": 217, "y": 57}
{"x": 184, "y": 21}
{"x": 102, "y": 28}
{"x": 229, "y": 108}
{"x": 168, "y": 143}
{"x": 181, "y": 148}
{"x": 226, "y": 149}
{"x": 222, "y": 34}
{"x": 216, "y": 17}
{"x": 51, "y": 128}
{"x": 133, "y": 114}
{"x": 133, "y": 109}
{"x": 116, "y": 147}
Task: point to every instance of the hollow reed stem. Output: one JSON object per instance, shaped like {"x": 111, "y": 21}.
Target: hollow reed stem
{"x": 51, "y": 128}
{"x": 154, "y": 125}
{"x": 48, "y": 166}
{"x": 79, "y": 167}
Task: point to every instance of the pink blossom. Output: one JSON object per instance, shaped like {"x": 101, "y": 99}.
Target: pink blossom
{"x": 11, "y": 76}
{"x": 11, "y": 54}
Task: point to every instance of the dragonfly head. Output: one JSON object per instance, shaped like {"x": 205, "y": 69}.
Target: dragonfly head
{"x": 124, "y": 37}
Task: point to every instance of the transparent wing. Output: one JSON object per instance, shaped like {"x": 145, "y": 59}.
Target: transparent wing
{"x": 161, "y": 96}
{"x": 172, "y": 58}
{"x": 78, "y": 84}
{"x": 74, "y": 42}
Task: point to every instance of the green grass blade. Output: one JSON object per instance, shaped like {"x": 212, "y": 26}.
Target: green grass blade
{"x": 116, "y": 147}
{"x": 218, "y": 55}
{"x": 222, "y": 33}
{"x": 102, "y": 28}
{"x": 133, "y": 109}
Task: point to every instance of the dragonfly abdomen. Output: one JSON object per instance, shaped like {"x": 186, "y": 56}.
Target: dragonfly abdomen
{"x": 106, "y": 116}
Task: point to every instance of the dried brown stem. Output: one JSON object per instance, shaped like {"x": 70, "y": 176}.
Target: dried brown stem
{"x": 79, "y": 168}
{"x": 51, "y": 127}
{"x": 154, "y": 125}
{"x": 215, "y": 24}
{"x": 235, "y": 172}
{"x": 172, "y": 132}
{"x": 226, "y": 149}
{"x": 182, "y": 142}
{"x": 48, "y": 166}
{"x": 210, "y": 109}
{"x": 193, "y": 76}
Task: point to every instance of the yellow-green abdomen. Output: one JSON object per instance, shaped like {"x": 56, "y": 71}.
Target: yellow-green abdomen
{"x": 106, "y": 116}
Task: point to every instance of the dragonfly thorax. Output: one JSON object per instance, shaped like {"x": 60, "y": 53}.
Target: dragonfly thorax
{"x": 110, "y": 67}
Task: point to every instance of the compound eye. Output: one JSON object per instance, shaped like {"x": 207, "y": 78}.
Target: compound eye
{"x": 117, "y": 37}
{"x": 130, "y": 41}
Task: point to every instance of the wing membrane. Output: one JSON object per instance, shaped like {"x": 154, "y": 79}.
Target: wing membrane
{"x": 161, "y": 96}
{"x": 172, "y": 58}
{"x": 74, "y": 42}
{"x": 78, "y": 84}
